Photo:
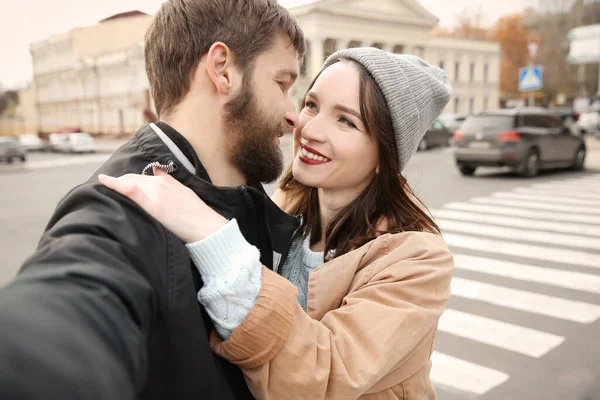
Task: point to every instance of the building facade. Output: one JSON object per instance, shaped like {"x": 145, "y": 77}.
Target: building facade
{"x": 399, "y": 26}
{"x": 93, "y": 78}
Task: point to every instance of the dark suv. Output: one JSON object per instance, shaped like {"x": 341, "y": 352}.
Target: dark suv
{"x": 526, "y": 139}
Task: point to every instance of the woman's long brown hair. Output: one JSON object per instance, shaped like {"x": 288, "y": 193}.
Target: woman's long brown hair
{"x": 386, "y": 205}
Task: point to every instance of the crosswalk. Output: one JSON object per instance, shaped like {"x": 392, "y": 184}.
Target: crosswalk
{"x": 522, "y": 251}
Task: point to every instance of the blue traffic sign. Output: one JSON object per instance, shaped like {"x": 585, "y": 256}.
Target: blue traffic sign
{"x": 531, "y": 78}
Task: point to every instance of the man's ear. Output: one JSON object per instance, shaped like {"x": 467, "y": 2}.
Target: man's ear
{"x": 221, "y": 68}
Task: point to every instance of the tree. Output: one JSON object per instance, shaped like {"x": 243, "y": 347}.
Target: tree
{"x": 470, "y": 26}
{"x": 8, "y": 99}
{"x": 553, "y": 28}
{"x": 512, "y": 35}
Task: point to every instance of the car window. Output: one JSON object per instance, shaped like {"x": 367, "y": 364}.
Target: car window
{"x": 479, "y": 123}
{"x": 534, "y": 121}
{"x": 554, "y": 122}
{"x": 438, "y": 125}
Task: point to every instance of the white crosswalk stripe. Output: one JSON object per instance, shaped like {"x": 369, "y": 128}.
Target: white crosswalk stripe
{"x": 519, "y": 234}
{"x": 566, "y": 188}
{"x": 553, "y": 199}
{"x": 536, "y": 252}
{"x": 519, "y": 212}
{"x": 526, "y": 301}
{"x": 549, "y": 192}
{"x": 556, "y": 222}
{"x": 452, "y": 372}
{"x": 553, "y": 277}
{"x": 586, "y": 184}
{"x": 518, "y": 339}
{"x": 563, "y": 227}
{"x": 537, "y": 206}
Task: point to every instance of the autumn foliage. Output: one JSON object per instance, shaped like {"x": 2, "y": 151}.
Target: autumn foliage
{"x": 508, "y": 31}
{"x": 512, "y": 36}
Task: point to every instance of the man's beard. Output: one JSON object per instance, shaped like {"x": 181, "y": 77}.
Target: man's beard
{"x": 250, "y": 134}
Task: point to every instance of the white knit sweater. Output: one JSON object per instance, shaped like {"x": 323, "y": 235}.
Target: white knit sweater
{"x": 231, "y": 270}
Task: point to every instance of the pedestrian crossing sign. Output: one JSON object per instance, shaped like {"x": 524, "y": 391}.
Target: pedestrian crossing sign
{"x": 531, "y": 78}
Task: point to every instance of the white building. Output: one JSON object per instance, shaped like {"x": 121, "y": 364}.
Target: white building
{"x": 93, "y": 78}
{"x": 400, "y": 26}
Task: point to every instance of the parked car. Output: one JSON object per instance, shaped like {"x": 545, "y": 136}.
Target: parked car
{"x": 452, "y": 121}
{"x": 32, "y": 143}
{"x": 438, "y": 135}
{"x": 589, "y": 121}
{"x": 72, "y": 142}
{"x": 526, "y": 140}
{"x": 11, "y": 149}
{"x": 57, "y": 141}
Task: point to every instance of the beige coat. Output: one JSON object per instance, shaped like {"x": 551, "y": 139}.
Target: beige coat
{"x": 368, "y": 331}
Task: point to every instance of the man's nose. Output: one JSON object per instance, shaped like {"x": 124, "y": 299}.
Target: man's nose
{"x": 291, "y": 116}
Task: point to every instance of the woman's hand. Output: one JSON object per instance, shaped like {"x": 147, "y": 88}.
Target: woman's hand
{"x": 174, "y": 205}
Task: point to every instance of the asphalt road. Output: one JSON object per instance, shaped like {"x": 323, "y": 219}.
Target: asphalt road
{"x": 524, "y": 318}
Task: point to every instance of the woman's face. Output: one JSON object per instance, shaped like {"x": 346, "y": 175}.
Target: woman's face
{"x": 332, "y": 150}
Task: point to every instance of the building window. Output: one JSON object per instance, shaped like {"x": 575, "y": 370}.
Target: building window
{"x": 456, "y": 71}
{"x": 456, "y": 104}
{"x": 441, "y": 65}
{"x": 471, "y": 105}
{"x": 398, "y": 49}
{"x": 303, "y": 66}
{"x": 485, "y": 73}
{"x": 472, "y": 72}
{"x": 329, "y": 47}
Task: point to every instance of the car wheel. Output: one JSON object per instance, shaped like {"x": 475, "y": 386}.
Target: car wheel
{"x": 423, "y": 145}
{"x": 467, "y": 170}
{"x": 9, "y": 160}
{"x": 531, "y": 164}
{"x": 579, "y": 160}
{"x": 23, "y": 158}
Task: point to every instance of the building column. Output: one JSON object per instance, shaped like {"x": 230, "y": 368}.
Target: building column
{"x": 389, "y": 47}
{"x": 317, "y": 55}
{"x": 341, "y": 44}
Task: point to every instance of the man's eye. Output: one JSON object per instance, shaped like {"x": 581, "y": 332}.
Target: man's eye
{"x": 310, "y": 104}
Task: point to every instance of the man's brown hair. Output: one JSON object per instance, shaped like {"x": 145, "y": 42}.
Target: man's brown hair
{"x": 183, "y": 31}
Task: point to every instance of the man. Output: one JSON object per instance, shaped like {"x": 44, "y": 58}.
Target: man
{"x": 106, "y": 308}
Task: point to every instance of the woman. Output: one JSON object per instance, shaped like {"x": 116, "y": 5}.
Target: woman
{"x": 361, "y": 325}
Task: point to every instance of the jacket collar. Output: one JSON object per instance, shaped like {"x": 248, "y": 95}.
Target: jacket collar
{"x": 249, "y": 204}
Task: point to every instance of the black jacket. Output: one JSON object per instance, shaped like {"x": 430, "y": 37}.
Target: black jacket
{"x": 106, "y": 307}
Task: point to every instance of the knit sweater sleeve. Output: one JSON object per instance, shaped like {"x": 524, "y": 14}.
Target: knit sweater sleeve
{"x": 232, "y": 273}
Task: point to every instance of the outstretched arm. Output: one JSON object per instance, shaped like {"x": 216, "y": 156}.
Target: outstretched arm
{"x": 74, "y": 323}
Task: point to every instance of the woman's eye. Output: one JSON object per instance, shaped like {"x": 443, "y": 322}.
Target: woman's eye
{"x": 346, "y": 121}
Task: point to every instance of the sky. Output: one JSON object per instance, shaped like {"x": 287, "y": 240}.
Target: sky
{"x": 26, "y": 21}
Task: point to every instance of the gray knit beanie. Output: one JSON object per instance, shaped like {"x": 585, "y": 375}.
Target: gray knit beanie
{"x": 416, "y": 92}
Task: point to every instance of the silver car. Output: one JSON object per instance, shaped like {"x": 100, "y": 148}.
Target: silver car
{"x": 11, "y": 149}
